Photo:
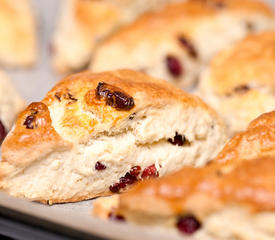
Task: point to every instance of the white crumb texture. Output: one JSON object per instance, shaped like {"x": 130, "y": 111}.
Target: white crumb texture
{"x": 141, "y": 141}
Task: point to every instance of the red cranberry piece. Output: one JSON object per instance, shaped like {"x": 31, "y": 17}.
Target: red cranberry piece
{"x": 177, "y": 140}
{"x": 174, "y": 66}
{"x": 99, "y": 166}
{"x": 188, "y": 224}
{"x": 189, "y": 47}
{"x": 117, "y": 217}
{"x": 128, "y": 179}
{"x": 241, "y": 89}
{"x": 114, "y": 188}
{"x": 135, "y": 171}
{"x": 29, "y": 122}
{"x": 3, "y": 132}
{"x": 150, "y": 172}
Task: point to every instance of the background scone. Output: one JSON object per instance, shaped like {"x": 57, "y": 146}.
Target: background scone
{"x": 95, "y": 134}
{"x": 240, "y": 82}
{"x": 17, "y": 33}
{"x": 176, "y": 42}
{"x": 83, "y": 23}
{"x": 231, "y": 198}
{"x": 10, "y": 105}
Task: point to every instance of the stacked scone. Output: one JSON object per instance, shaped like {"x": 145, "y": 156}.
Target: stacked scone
{"x": 98, "y": 134}
{"x": 176, "y": 42}
{"x": 231, "y": 198}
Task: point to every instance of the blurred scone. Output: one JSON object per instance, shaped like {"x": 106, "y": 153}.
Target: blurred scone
{"x": 10, "y": 105}
{"x": 176, "y": 42}
{"x": 96, "y": 134}
{"x": 17, "y": 33}
{"x": 240, "y": 82}
{"x": 83, "y": 23}
{"x": 232, "y": 198}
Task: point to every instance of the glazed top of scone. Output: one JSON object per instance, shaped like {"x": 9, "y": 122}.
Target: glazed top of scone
{"x": 87, "y": 104}
{"x": 182, "y": 18}
{"x": 248, "y": 64}
{"x": 243, "y": 173}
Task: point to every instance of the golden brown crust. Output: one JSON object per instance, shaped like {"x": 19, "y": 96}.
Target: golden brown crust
{"x": 248, "y": 63}
{"x": 18, "y": 147}
{"x": 244, "y": 178}
{"x": 256, "y": 142}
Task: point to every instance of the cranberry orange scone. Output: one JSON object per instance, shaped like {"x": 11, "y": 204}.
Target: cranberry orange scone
{"x": 10, "y": 105}
{"x": 240, "y": 82}
{"x": 176, "y": 42}
{"x": 84, "y": 23}
{"x": 230, "y": 198}
{"x": 17, "y": 33}
{"x": 96, "y": 134}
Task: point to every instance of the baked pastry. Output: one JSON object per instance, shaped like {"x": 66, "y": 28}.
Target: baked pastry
{"x": 96, "y": 134}
{"x": 17, "y": 33}
{"x": 175, "y": 43}
{"x": 240, "y": 81}
{"x": 83, "y": 23}
{"x": 10, "y": 105}
{"x": 230, "y": 198}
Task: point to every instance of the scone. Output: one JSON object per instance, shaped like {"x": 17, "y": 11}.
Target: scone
{"x": 240, "y": 82}
{"x": 11, "y": 104}
{"x": 233, "y": 197}
{"x": 82, "y": 24}
{"x": 97, "y": 134}
{"x": 175, "y": 43}
{"x": 17, "y": 33}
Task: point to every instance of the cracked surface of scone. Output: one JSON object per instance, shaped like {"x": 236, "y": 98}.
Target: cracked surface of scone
{"x": 232, "y": 197}
{"x": 83, "y": 24}
{"x": 240, "y": 82}
{"x": 11, "y": 104}
{"x": 17, "y": 33}
{"x": 95, "y": 134}
{"x": 176, "y": 42}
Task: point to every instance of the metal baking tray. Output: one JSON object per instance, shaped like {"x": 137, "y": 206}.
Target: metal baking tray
{"x": 21, "y": 219}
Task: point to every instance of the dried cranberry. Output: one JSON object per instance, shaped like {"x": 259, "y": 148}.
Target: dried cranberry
{"x": 29, "y": 122}
{"x": 3, "y": 132}
{"x": 117, "y": 217}
{"x": 177, "y": 140}
{"x": 174, "y": 66}
{"x": 128, "y": 179}
{"x": 188, "y": 224}
{"x": 119, "y": 100}
{"x": 114, "y": 96}
{"x": 114, "y": 188}
{"x": 189, "y": 47}
{"x": 99, "y": 166}
{"x": 150, "y": 172}
{"x": 135, "y": 171}
{"x": 241, "y": 89}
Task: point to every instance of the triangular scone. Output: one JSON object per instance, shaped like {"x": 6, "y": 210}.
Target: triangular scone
{"x": 240, "y": 81}
{"x": 83, "y": 23}
{"x": 178, "y": 41}
{"x": 11, "y": 104}
{"x": 233, "y": 196}
{"x": 96, "y": 134}
{"x": 17, "y": 33}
